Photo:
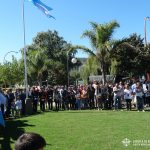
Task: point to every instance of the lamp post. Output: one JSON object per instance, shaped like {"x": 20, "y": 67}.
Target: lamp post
{"x": 73, "y": 60}
{"x": 145, "y": 32}
{"x": 67, "y": 69}
{"x": 4, "y": 60}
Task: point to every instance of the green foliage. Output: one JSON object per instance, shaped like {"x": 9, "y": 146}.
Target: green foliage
{"x": 100, "y": 37}
{"x": 74, "y": 75}
{"x": 131, "y": 56}
{"x": 11, "y": 73}
{"x": 57, "y": 73}
{"x": 89, "y": 68}
{"x": 37, "y": 65}
{"x": 47, "y": 58}
{"x": 49, "y": 53}
{"x": 53, "y": 45}
{"x": 113, "y": 68}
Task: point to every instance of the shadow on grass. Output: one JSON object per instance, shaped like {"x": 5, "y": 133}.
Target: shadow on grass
{"x": 84, "y": 111}
{"x": 9, "y": 134}
{"x": 100, "y": 111}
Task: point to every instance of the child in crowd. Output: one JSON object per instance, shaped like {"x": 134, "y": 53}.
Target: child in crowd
{"x": 13, "y": 107}
{"x": 18, "y": 105}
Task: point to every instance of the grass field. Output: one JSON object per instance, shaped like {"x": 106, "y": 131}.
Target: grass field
{"x": 83, "y": 130}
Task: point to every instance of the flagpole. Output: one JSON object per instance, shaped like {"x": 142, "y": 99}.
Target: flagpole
{"x": 25, "y": 57}
{"x": 145, "y": 31}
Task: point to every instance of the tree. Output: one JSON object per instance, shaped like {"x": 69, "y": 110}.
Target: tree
{"x": 5, "y": 74}
{"x": 91, "y": 67}
{"x": 52, "y": 44}
{"x": 131, "y": 57}
{"x": 100, "y": 37}
{"x": 47, "y": 58}
{"x": 11, "y": 72}
{"x": 37, "y": 65}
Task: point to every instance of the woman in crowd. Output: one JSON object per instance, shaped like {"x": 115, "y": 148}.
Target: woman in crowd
{"x": 128, "y": 96}
{"x": 138, "y": 91}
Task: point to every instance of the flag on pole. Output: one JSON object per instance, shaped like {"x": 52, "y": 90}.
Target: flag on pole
{"x": 148, "y": 18}
{"x": 44, "y": 8}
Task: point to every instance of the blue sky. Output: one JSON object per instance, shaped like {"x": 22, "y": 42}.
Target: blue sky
{"x": 72, "y": 18}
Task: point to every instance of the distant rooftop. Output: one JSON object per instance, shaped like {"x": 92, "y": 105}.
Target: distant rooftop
{"x": 83, "y": 60}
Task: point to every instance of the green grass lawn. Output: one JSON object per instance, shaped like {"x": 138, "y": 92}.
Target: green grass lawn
{"x": 82, "y": 130}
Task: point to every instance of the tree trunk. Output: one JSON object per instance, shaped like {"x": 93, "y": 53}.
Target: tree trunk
{"x": 40, "y": 82}
{"x": 103, "y": 72}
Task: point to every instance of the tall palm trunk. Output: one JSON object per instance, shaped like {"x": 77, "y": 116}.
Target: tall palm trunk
{"x": 40, "y": 82}
{"x": 102, "y": 62}
{"x": 39, "y": 78}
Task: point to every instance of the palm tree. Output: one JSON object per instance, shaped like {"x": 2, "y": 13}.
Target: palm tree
{"x": 100, "y": 37}
{"x": 37, "y": 65}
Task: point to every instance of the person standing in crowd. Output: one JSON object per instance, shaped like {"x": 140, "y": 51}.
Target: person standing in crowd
{"x": 13, "y": 109}
{"x": 147, "y": 94}
{"x": 50, "y": 97}
{"x": 34, "y": 96}
{"x": 10, "y": 98}
{"x": 90, "y": 93}
{"x": 42, "y": 96}
{"x": 133, "y": 86}
{"x": 72, "y": 99}
{"x": 104, "y": 92}
{"x": 121, "y": 86}
{"x": 84, "y": 98}
{"x": 65, "y": 99}
{"x": 95, "y": 85}
{"x": 69, "y": 98}
{"x": 22, "y": 95}
{"x": 138, "y": 91}
{"x": 18, "y": 105}
{"x": 78, "y": 99}
{"x": 99, "y": 97}
{"x": 2, "y": 103}
{"x": 2, "y": 107}
{"x": 128, "y": 96}
{"x": 110, "y": 96}
{"x": 56, "y": 96}
{"x": 117, "y": 97}
{"x": 61, "y": 99}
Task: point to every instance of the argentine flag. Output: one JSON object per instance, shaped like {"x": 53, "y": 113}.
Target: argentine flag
{"x": 44, "y": 8}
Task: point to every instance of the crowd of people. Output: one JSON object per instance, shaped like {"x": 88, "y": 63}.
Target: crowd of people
{"x": 116, "y": 96}
{"x": 111, "y": 96}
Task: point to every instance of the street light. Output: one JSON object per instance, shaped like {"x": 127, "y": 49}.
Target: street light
{"x": 73, "y": 60}
{"x": 4, "y": 60}
{"x": 145, "y": 32}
